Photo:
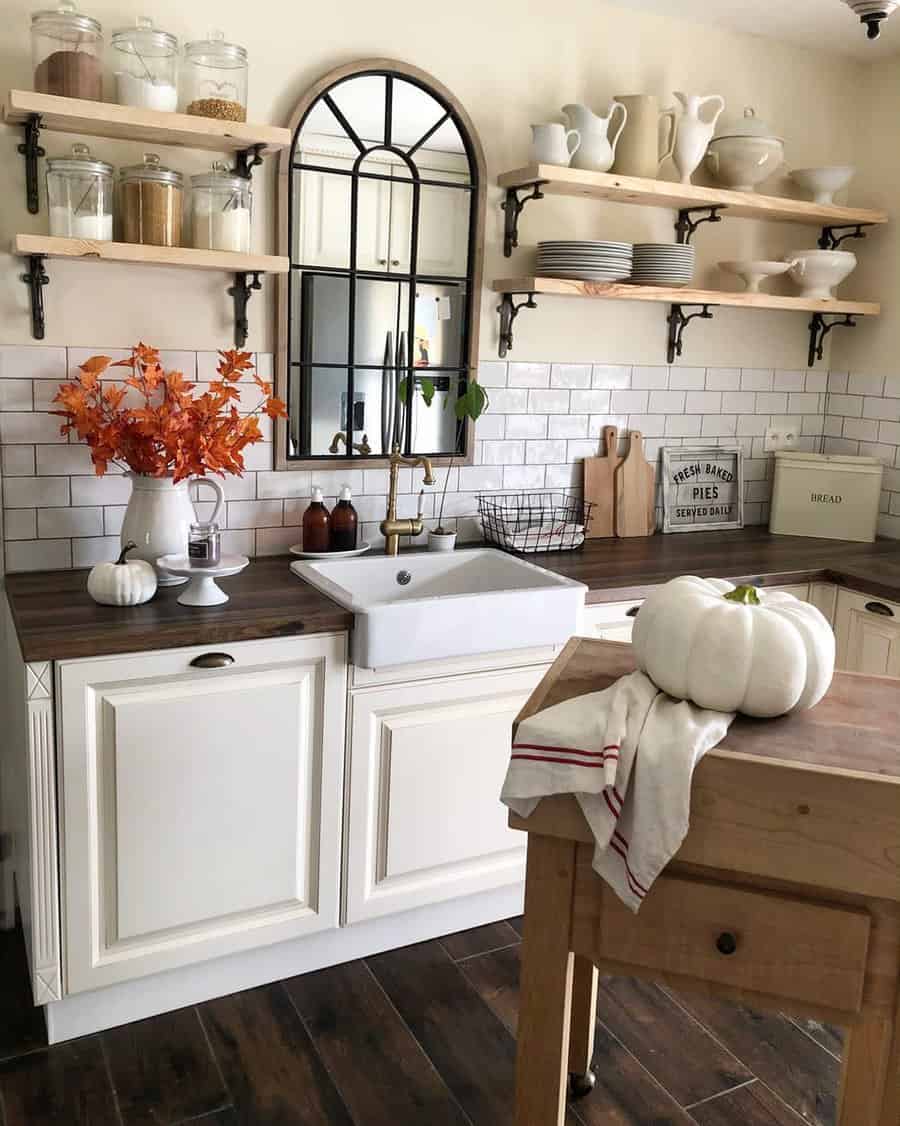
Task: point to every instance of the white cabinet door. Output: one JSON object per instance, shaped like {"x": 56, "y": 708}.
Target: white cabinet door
{"x": 799, "y": 590}
{"x": 424, "y": 818}
{"x": 443, "y": 245}
{"x": 323, "y": 229}
{"x": 202, "y": 806}
{"x": 868, "y": 634}
{"x": 611, "y": 621}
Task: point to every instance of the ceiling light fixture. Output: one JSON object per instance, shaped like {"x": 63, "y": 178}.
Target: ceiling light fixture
{"x": 873, "y": 13}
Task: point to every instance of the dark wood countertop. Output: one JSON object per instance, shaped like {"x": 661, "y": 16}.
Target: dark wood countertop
{"x": 55, "y": 618}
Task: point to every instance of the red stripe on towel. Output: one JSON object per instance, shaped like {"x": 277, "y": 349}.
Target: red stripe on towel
{"x": 612, "y": 808}
{"x": 567, "y": 761}
{"x": 625, "y": 844}
{"x": 567, "y": 750}
{"x": 632, "y": 883}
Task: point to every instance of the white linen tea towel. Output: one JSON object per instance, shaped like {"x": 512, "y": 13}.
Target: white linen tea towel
{"x": 628, "y": 755}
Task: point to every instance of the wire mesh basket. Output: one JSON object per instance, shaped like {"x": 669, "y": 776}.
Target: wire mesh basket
{"x": 529, "y": 522}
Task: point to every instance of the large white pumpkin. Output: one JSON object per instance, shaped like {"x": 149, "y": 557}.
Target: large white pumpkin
{"x": 734, "y": 649}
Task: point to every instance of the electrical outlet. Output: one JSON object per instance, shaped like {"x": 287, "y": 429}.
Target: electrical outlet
{"x": 781, "y": 438}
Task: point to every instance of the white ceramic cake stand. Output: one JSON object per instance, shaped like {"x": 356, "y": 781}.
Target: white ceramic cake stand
{"x": 202, "y": 589}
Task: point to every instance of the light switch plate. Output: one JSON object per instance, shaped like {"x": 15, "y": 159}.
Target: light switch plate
{"x": 781, "y": 438}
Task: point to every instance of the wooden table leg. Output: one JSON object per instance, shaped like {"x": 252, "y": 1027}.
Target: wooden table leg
{"x": 545, "y": 990}
{"x": 865, "y": 1097}
{"x": 584, "y": 1021}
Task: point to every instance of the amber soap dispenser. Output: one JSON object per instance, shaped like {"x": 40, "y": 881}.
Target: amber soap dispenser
{"x": 344, "y": 523}
{"x": 316, "y": 524}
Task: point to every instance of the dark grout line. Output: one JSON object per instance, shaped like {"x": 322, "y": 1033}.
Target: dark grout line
{"x": 484, "y": 953}
{"x": 720, "y": 1094}
{"x": 810, "y": 1036}
{"x": 207, "y": 1114}
{"x": 109, "y": 1077}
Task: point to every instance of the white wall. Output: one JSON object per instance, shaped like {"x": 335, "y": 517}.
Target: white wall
{"x": 510, "y": 67}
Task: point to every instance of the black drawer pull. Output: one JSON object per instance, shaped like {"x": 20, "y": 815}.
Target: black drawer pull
{"x": 726, "y": 943}
{"x": 633, "y": 612}
{"x": 880, "y": 608}
{"x": 213, "y": 661}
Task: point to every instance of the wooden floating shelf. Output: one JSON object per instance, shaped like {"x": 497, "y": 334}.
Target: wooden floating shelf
{"x": 617, "y": 291}
{"x": 128, "y": 123}
{"x": 51, "y": 246}
{"x": 558, "y": 180}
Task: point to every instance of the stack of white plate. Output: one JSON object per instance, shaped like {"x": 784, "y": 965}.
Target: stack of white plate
{"x": 586, "y": 261}
{"x": 660, "y": 263}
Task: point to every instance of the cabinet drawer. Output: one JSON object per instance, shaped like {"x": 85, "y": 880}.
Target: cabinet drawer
{"x": 751, "y": 940}
{"x": 610, "y": 621}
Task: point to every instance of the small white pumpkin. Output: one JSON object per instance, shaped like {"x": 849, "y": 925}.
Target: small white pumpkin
{"x": 127, "y": 582}
{"x": 734, "y": 649}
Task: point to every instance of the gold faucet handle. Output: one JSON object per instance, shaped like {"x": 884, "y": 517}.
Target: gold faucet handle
{"x": 421, "y": 512}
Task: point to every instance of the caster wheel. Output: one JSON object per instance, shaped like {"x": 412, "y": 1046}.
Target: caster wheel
{"x": 581, "y": 1085}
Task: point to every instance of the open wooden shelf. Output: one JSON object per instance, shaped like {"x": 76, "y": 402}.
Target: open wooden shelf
{"x": 559, "y": 180}
{"x": 128, "y": 123}
{"x": 619, "y": 291}
{"x": 51, "y": 246}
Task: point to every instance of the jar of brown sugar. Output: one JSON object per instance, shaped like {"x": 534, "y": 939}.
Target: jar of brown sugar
{"x": 214, "y": 78}
{"x": 150, "y": 203}
{"x": 66, "y": 47}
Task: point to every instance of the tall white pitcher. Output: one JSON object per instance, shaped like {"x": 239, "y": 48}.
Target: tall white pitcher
{"x": 693, "y": 133}
{"x": 597, "y": 151}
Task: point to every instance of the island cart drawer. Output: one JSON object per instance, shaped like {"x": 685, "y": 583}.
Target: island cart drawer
{"x": 751, "y": 940}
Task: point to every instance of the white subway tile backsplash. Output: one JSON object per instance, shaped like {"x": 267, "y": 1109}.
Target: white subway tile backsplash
{"x": 100, "y": 490}
{"x": 772, "y": 402}
{"x": 523, "y": 477}
{"x": 545, "y": 453}
{"x": 292, "y": 483}
{"x": 803, "y": 402}
{"x": 861, "y": 384}
{"x": 32, "y": 362}
{"x": 567, "y": 426}
{"x": 687, "y": 379}
{"x": 502, "y": 453}
{"x": 277, "y": 541}
{"x": 722, "y": 379}
{"x": 554, "y": 401}
{"x": 54, "y": 523}
{"x": 491, "y": 426}
{"x": 258, "y": 457}
{"x": 889, "y": 432}
{"x": 570, "y": 375}
{"x": 528, "y": 425}
{"x": 789, "y": 381}
{"x": 817, "y": 381}
{"x": 59, "y": 460}
{"x": 719, "y": 426}
{"x": 17, "y": 461}
{"x": 650, "y": 425}
{"x": 887, "y": 409}
{"x": 492, "y": 373}
{"x": 562, "y": 476}
{"x": 240, "y": 542}
{"x": 38, "y": 555}
{"x": 756, "y": 379}
{"x": 847, "y": 405}
{"x": 508, "y": 400}
{"x": 667, "y": 402}
{"x": 528, "y": 375}
{"x": 683, "y": 426}
{"x": 596, "y": 422}
{"x": 579, "y": 448}
{"x": 592, "y": 402}
{"x": 256, "y": 513}
{"x": 15, "y": 395}
{"x": 478, "y": 478}
{"x": 863, "y": 429}
{"x": 113, "y": 516}
{"x": 739, "y": 402}
{"x": 36, "y": 492}
{"x": 703, "y": 402}
{"x": 27, "y": 428}
{"x": 610, "y": 376}
{"x": 96, "y": 549}
{"x": 748, "y": 424}
{"x": 19, "y": 524}
{"x": 837, "y": 381}
{"x": 44, "y": 393}
{"x": 629, "y": 402}
{"x": 650, "y": 378}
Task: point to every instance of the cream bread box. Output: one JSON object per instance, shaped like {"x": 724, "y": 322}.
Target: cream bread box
{"x": 829, "y": 495}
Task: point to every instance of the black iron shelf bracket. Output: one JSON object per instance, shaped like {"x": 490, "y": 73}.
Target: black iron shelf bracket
{"x": 245, "y": 160}
{"x": 686, "y": 224}
{"x": 678, "y": 322}
{"x": 819, "y": 328}
{"x": 242, "y": 291}
{"x": 509, "y": 310}
{"x": 831, "y": 238}
{"x": 36, "y": 278}
{"x": 512, "y": 209}
{"x": 31, "y": 149}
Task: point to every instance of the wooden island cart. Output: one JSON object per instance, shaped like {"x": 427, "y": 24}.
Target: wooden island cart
{"x": 785, "y": 894}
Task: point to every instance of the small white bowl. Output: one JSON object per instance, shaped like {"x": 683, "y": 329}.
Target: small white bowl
{"x": 822, "y": 183}
{"x": 752, "y": 273}
{"x": 819, "y": 272}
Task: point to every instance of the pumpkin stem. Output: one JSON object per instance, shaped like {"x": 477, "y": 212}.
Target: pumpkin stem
{"x": 746, "y": 595}
{"x": 130, "y": 546}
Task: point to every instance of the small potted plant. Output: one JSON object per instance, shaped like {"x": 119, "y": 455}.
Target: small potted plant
{"x": 179, "y": 431}
{"x": 471, "y": 404}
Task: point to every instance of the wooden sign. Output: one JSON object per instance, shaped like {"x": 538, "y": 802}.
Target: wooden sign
{"x": 703, "y": 488}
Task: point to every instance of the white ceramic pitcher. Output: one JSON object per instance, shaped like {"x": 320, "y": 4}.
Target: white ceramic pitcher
{"x": 159, "y": 516}
{"x": 597, "y": 151}
{"x": 550, "y": 143}
{"x": 693, "y": 133}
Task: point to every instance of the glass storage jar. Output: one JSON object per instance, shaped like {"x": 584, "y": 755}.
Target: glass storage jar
{"x": 220, "y": 210}
{"x": 150, "y": 203}
{"x": 215, "y": 78}
{"x": 80, "y": 194}
{"x": 146, "y": 66}
{"x": 66, "y": 47}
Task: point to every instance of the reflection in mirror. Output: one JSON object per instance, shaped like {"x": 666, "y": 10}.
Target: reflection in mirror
{"x": 385, "y": 199}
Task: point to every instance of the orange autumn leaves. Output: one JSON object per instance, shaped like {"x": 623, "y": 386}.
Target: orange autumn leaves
{"x": 175, "y": 430}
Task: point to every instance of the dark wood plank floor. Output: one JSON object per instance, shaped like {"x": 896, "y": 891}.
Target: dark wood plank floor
{"x": 423, "y": 1036}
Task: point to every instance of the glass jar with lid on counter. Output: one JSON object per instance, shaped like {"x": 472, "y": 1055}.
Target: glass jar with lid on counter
{"x": 66, "y": 48}
{"x": 214, "y": 78}
{"x": 150, "y": 203}
{"x": 80, "y": 193}
{"x": 146, "y": 66}
{"x": 220, "y": 210}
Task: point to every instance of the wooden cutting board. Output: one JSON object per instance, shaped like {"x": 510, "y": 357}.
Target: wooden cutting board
{"x": 635, "y": 491}
{"x": 599, "y": 486}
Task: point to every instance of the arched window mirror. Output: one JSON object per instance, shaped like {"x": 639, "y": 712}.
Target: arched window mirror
{"x": 382, "y": 213}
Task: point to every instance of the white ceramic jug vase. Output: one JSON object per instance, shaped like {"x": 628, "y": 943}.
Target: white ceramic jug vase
{"x": 159, "y": 516}
{"x": 550, "y": 143}
{"x": 597, "y": 151}
{"x": 693, "y": 133}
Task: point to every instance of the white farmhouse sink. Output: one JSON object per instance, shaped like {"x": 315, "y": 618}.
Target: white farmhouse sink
{"x": 418, "y": 607}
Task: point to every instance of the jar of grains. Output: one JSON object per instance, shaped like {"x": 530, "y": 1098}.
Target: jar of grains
{"x": 220, "y": 210}
{"x": 215, "y": 78}
{"x": 150, "y": 203}
{"x": 66, "y": 48}
{"x": 146, "y": 65}
{"x": 80, "y": 193}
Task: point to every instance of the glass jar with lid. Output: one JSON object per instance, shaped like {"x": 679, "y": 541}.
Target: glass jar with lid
{"x": 80, "y": 193}
{"x": 146, "y": 65}
{"x": 66, "y": 47}
{"x": 220, "y": 210}
{"x": 215, "y": 78}
{"x": 150, "y": 204}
